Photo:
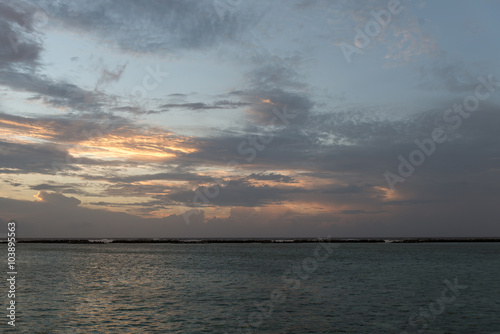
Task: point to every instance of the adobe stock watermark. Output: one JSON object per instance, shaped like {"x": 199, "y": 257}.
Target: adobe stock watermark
{"x": 452, "y": 116}
{"x": 420, "y": 320}
{"x": 373, "y": 28}
{"x": 11, "y": 273}
{"x": 249, "y": 148}
{"x": 292, "y": 279}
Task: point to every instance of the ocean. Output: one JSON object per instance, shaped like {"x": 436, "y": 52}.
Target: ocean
{"x": 256, "y": 288}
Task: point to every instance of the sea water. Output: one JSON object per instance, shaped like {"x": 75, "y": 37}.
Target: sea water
{"x": 256, "y": 288}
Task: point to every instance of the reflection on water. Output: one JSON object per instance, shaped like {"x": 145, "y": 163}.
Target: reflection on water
{"x": 214, "y": 288}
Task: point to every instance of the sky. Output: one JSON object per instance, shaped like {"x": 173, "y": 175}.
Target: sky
{"x": 235, "y": 118}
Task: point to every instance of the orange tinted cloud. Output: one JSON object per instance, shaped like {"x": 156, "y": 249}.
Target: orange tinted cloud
{"x": 149, "y": 146}
{"x": 16, "y": 131}
{"x": 121, "y": 143}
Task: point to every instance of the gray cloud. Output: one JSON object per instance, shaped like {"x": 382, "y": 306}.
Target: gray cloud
{"x": 181, "y": 176}
{"x": 203, "y": 106}
{"x": 53, "y": 187}
{"x": 57, "y": 199}
{"x": 136, "y": 110}
{"x": 19, "y": 44}
{"x": 235, "y": 193}
{"x": 271, "y": 177}
{"x": 348, "y": 189}
{"x": 70, "y": 128}
{"x": 56, "y": 93}
{"x": 30, "y": 158}
{"x": 59, "y": 221}
{"x": 111, "y": 75}
{"x": 134, "y": 26}
{"x": 358, "y": 212}
{"x": 276, "y": 84}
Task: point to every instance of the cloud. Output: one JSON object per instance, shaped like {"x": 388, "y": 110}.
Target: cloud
{"x": 53, "y": 187}
{"x": 358, "y": 212}
{"x": 180, "y": 176}
{"x": 158, "y": 27}
{"x": 112, "y": 138}
{"x": 111, "y": 75}
{"x": 190, "y": 106}
{"x": 30, "y": 158}
{"x": 203, "y": 106}
{"x": 53, "y": 92}
{"x": 57, "y": 199}
{"x": 276, "y": 86}
{"x": 235, "y": 193}
{"x": 347, "y": 189}
{"x": 270, "y": 177}
{"x": 63, "y": 220}
{"x": 19, "y": 45}
{"x": 138, "y": 190}
{"x": 136, "y": 110}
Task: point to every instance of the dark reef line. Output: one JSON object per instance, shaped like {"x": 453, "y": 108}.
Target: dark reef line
{"x": 266, "y": 240}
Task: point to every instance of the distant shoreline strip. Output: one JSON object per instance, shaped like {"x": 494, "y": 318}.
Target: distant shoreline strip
{"x": 273, "y": 240}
